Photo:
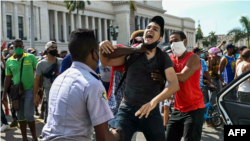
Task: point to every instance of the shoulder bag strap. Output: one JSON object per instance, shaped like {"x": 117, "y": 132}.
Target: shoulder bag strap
{"x": 21, "y": 70}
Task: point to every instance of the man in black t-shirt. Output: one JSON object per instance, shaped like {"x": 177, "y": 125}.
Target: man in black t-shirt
{"x": 142, "y": 94}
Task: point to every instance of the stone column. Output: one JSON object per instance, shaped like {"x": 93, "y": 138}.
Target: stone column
{"x": 138, "y": 23}
{"x": 1, "y": 22}
{"x": 26, "y": 23}
{"x": 99, "y": 29}
{"x": 143, "y": 23}
{"x": 93, "y": 23}
{"x": 4, "y": 26}
{"x": 56, "y": 25}
{"x": 86, "y": 22}
{"x": 37, "y": 24}
{"x": 105, "y": 30}
{"x": 64, "y": 27}
{"x": 80, "y": 21}
{"x": 72, "y": 23}
{"x": 15, "y": 17}
{"x": 147, "y": 21}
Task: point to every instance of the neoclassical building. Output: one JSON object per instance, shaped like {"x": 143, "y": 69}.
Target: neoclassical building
{"x": 53, "y": 22}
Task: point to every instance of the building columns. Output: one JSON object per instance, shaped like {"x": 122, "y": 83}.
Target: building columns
{"x": 79, "y": 21}
{"x": 86, "y": 22}
{"x": 64, "y": 27}
{"x": 105, "y": 30}
{"x": 138, "y": 23}
{"x": 37, "y": 24}
{"x": 72, "y": 23}
{"x": 26, "y": 23}
{"x": 1, "y": 22}
{"x": 99, "y": 29}
{"x": 15, "y": 19}
{"x": 56, "y": 26}
{"x": 4, "y": 26}
{"x": 93, "y": 23}
{"x": 143, "y": 23}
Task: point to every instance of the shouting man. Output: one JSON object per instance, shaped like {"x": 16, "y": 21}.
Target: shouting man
{"x": 142, "y": 94}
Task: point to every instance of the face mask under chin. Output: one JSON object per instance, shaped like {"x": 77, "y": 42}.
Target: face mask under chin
{"x": 150, "y": 46}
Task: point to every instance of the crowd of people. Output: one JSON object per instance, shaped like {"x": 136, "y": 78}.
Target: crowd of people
{"x": 118, "y": 89}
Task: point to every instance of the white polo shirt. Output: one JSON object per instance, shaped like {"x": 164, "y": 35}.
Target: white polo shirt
{"x": 77, "y": 102}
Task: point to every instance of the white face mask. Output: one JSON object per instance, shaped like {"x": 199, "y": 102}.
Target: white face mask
{"x": 178, "y": 48}
{"x": 219, "y": 54}
{"x": 11, "y": 51}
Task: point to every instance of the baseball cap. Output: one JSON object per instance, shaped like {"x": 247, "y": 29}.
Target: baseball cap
{"x": 231, "y": 45}
{"x": 31, "y": 50}
{"x": 166, "y": 49}
{"x": 10, "y": 44}
{"x": 49, "y": 44}
{"x": 160, "y": 21}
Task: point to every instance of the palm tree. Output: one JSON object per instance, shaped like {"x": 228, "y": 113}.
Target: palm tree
{"x": 239, "y": 33}
{"x": 205, "y": 41}
{"x": 76, "y": 5}
{"x": 199, "y": 34}
{"x": 212, "y": 38}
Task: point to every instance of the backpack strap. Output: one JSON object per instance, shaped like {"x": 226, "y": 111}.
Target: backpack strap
{"x": 21, "y": 70}
{"x": 133, "y": 58}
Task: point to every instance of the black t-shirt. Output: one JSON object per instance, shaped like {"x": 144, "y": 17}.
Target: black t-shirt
{"x": 140, "y": 88}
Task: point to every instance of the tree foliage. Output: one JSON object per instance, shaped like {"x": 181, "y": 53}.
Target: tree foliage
{"x": 241, "y": 33}
{"x": 212, "y": 38}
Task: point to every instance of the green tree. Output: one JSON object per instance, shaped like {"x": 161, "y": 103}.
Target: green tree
{"x": 205, "y": 41}
{"x": 212, "y": 38}
{"x": 76, "y": 5}
{"x": 241, "y": 33}
{"x": 199, "y": 34}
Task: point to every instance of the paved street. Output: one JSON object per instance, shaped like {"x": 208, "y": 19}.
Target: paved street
{"x": 14, "y": 134}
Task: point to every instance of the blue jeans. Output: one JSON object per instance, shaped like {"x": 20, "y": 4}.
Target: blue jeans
{"x": 27, "y": 107}
{"x": 152, "y": 126}
{"x": 3, "y": 118}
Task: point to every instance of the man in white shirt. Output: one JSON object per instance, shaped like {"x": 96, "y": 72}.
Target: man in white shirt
{"x": 77, "y": 99}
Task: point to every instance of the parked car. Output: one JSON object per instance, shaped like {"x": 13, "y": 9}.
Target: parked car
{"x": 235, "y": 111}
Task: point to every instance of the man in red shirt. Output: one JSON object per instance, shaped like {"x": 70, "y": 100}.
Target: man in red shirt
{"x": 187, "y": 118}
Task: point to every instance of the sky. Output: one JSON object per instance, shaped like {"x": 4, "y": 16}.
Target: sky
{"x": 218, "y": 16}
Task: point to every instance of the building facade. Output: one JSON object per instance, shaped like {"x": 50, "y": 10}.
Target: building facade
{"x": 53, "y": 22}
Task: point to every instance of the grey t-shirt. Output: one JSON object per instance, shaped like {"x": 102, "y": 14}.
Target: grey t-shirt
{"x": 140, "y": 87}
{"x": 42, "y": 66}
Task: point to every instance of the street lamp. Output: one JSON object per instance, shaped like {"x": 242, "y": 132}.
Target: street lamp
{"x": 114, "y": 33}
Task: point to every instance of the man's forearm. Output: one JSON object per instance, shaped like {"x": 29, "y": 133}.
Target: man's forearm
{"x": 35, "y": 88}
{"x": 167, "y": 92}
{"x": 7, "y": 82}
{"x": 120, "y": 51}
{"x": 208, "y": 77}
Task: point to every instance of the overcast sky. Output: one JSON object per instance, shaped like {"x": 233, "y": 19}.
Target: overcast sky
{"x": 218, "y": 16}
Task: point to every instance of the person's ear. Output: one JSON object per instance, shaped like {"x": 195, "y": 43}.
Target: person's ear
{"x": 185, "y": 42}
{"x": 160, "y": 39}
{"x": 23, "y": 47}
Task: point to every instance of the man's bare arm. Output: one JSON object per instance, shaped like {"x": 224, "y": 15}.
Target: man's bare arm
{"x": 35, "y": 89}
{"x": 103, "y": 133}
{"x": 193, "y": 64}
{"x": 221, "y": 69}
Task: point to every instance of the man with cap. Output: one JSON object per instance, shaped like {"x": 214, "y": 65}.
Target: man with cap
{"x": 10, "y": 49}
{"x": 42, "y": 68}
{"x": 139, "y": 109}
{"x": 187, "y": 117}
{"x": 227, "y": 69}
{"x": 78, "y": 100}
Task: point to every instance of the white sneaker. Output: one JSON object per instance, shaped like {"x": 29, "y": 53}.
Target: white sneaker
{"x": 5, "y": 127}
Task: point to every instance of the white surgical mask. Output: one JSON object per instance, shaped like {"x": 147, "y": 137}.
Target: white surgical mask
{"x": 11, "y": 51}
{"x": 178, "y": 48}
{"x": 219, "y": 54}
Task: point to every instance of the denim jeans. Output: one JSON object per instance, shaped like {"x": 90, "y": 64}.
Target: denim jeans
{"x": 27, "y": 107}
{"x": 152, "y": 126}
{"x": 3, "y": 118}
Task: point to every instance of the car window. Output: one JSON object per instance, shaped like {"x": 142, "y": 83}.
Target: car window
{"x": 240, "y": 93}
